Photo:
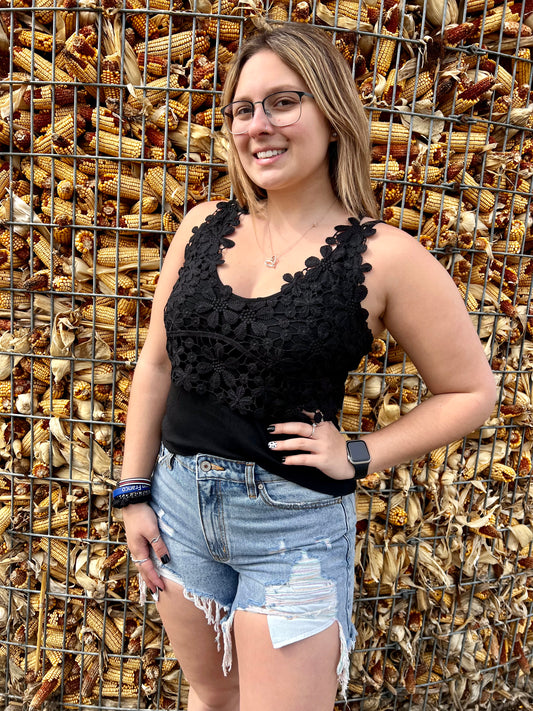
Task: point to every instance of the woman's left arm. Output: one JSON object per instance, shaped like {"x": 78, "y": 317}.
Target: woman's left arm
{"x": 413, "y": 296}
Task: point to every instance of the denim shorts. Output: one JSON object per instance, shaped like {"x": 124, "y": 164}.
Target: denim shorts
{"x": 241, "y": 538}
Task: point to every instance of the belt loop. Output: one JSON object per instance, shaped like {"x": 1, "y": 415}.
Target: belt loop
{"x": 250, "y": 480}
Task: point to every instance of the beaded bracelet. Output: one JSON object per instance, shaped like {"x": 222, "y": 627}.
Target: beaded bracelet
{"x": 132, "y": 491}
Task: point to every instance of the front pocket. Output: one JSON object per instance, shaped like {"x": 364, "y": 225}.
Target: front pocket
{"x": 283, "y": 494}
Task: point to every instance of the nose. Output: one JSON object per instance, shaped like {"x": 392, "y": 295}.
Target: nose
{"x": 259, "y": 122}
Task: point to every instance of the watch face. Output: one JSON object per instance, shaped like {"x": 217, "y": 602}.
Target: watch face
{"x": 358, "y": 451}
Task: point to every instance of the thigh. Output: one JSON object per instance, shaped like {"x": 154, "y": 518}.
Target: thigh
{"x": 297, "y": 677}
{"x": 194, "y": 641}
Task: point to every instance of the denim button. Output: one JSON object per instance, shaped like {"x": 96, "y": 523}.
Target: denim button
{"x": 205, "y": 466}
{"x": 259, "y": 486}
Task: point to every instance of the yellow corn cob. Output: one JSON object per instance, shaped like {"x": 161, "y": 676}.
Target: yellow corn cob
{"x": 99, "y": 314}
{"x": 210, "y": 118}
{"x": 352, "y": 10}
{"x": 221, "y": 187}
{"x": 134, "y": 335}
{"x": 277, "y": 12}
{"x": 105, "y": 629}
{"x": 141, "y": 222}
{"x": 438, "y": 456}
{"x": 476, "y": 195}
{"x": 388, "y": 132}
{"x": 523, "y": 66}
{"x": 404, "y": 218}
{"x": 378, "y": 171}
{"x": 435, "y": 202}
{"x": 39, "y": 433}
{"x": 37, "y": 66}
{"x": 179, "y": 46}
{"x": 502, "y": 472}
{"x": 67, "y": 127}
{"x": 494, "y": 20}
{"x": 157, "y": 91}
{"x": 367, "y": 506}
{"x": 60, "y": 519}
{"x": 38, "y": 40}
{"x": 422, "y": 83}
{"x": 226, "y": 30}
{"x": 121, "y": 676}
{"x": 146, "y": 206}
{"x": 5, "y": 517}
{"x": 473, "y": 6}
{"x": 124, "y": 186}
{"x": 394, "y": 373}
{"x": 111, "y": 77}
{"x": 398, "y": 516}
{"x": 352, "y": 405}
{"x": 59, "y": 551}
{"x": 61, "y": 169}
{"x": 56, "y": 408}
{"x": 160, "y": 181}
{"x": 142, "y": 23}
{"x": 461, "y": 141}
{"x": 145, "y": 257}
{"x": 44, "y": 16}
{"x": 81, "y": 60}
{"x": 118, "y": 283}
{"x": 65, "y": 189}
{"x": 112, "y": 145}
{"x": 38, "y": 176}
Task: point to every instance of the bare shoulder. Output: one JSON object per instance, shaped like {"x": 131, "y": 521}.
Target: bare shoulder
{"x": 390, "y": 244}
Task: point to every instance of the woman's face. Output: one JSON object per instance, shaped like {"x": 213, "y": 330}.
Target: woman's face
{"x": 281, "y": 158}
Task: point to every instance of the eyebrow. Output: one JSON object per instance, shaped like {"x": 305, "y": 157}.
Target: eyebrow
{"x": 273, "y": 91}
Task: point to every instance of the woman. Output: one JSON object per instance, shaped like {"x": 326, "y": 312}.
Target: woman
{"x": 248, "y": 537}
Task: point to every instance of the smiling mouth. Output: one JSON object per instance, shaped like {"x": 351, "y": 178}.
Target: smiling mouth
{"x": 270, "y": 154}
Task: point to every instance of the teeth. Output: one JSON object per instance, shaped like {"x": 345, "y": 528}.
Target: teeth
{"x": 269, "y": 154}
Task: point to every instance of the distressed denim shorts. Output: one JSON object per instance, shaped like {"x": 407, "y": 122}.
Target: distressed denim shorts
{"x": 241, "y": 538}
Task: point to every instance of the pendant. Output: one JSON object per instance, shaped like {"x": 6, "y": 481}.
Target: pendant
{"x": 271, "y": 262}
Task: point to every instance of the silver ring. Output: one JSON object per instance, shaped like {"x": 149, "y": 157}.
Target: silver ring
{"x": 154, "y": 540}
{"x": 141, "y": 560}
{"x": 313, "y": 425}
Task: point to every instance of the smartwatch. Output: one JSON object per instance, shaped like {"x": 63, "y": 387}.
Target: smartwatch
{"x": 358, "y": 454}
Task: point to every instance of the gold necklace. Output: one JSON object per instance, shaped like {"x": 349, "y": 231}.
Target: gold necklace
{"x": 273, "y": 261}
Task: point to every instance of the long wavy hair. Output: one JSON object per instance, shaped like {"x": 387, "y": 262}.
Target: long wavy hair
{"x": 309, "y": 52}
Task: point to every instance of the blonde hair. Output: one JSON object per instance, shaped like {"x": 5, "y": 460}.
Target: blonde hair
{"x": 309, "y": 52}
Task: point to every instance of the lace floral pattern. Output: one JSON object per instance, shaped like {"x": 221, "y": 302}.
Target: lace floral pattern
{"x": 275, "y": 356}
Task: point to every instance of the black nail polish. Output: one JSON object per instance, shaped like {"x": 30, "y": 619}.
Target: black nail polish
{"x": 283, "y": 460}
{"x": 271, "y": 428}
{"x": 160, "y": 589}
{"x": 165, "y": 559}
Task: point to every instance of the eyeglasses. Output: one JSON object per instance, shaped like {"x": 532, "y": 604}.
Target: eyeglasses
{"x": 282, "y": 108}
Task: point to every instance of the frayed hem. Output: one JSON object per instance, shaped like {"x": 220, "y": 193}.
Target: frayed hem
{"x": 343, "y": 667}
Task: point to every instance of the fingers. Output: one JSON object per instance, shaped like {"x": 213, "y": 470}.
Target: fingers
{"x": 303, "y": 444}
{"x": 301, "y": 429}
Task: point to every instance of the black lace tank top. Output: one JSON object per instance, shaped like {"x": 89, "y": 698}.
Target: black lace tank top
{"x": 240, "y": 363}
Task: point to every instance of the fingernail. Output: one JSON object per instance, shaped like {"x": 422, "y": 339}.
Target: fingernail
{"x": 165, "y": 559}
{"x": 272, "y": 445}
{"x": 283, "y": 460}
{"x": 271, "y": 428}
{"x": 160, "y": 589}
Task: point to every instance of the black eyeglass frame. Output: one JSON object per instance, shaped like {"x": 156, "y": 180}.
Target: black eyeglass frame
{"x": 229, "y": 118}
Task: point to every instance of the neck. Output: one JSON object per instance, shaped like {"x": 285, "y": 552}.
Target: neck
{"x": 285, "y": 213}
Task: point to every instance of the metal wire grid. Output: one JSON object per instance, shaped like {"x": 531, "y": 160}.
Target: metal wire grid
{"x": 424, "y": 641}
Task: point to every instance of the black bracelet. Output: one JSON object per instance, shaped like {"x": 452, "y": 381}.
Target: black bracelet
{"x": 120, "y": 500}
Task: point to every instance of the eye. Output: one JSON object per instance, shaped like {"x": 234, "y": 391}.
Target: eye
{"x": 284, "y": 102}
{"x": 243, "y": 110}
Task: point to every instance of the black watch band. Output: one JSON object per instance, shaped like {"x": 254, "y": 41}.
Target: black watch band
{"x": 358, "y": 455}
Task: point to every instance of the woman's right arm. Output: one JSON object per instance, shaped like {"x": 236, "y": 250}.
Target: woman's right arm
{"x": 146, "y": 407}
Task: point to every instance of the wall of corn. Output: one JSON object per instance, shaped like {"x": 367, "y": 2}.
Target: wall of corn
{"x": 109, "y": 131}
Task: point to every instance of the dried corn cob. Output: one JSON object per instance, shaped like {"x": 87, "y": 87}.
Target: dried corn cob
{"x": 178, "y": 47}
{"x": 112, "y": 145}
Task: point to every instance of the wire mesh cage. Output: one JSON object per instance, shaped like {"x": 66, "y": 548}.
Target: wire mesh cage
{"x": 110, "y": 130}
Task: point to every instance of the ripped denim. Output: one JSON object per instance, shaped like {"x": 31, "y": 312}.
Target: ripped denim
{"x": 241, "y": 538}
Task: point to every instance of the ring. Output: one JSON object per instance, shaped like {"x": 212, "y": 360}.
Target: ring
{"x": 141, "y": 560}
{"x": 313, "y": 425}
{"x": 154, "y": 540}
